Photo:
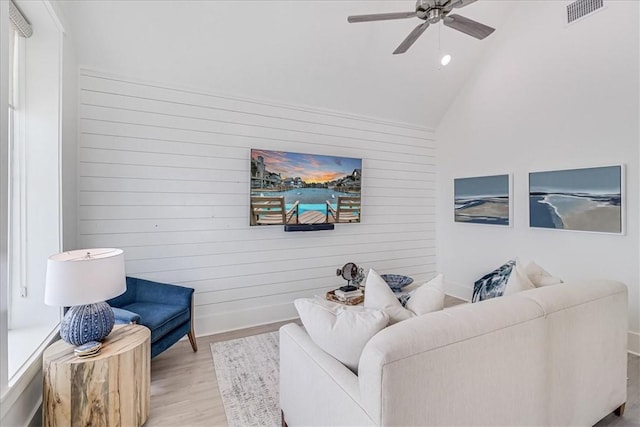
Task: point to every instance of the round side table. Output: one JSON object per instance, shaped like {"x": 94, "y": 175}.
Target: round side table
{"x": 110, "y": 389}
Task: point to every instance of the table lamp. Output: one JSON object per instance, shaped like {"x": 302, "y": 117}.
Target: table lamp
{"x": 82, "y": 280}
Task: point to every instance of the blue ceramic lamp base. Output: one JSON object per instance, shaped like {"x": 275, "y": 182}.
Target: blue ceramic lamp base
{"x": 84, "y": 323}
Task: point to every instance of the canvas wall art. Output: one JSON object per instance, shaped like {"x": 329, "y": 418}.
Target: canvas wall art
{"x": 482, "y": 200}
{"x": 588, "y": 199}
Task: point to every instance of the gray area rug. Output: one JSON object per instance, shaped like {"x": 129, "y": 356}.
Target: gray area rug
{"x": 248, "y": 378}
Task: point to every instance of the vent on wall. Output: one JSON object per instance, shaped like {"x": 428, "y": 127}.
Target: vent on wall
{"x": 580, "y": 8}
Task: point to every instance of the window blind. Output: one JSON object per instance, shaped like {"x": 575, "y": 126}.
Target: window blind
{"x": 19, "y": 22}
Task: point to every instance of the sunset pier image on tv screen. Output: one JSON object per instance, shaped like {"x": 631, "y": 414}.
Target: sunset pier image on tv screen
{"x": 296, "y": 188}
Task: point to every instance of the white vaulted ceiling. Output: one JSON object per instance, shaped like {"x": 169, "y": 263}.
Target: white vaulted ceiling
{"x": 294, "y": 52}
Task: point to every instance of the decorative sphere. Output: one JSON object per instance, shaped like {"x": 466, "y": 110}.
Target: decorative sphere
{"x": 84, "y": 323}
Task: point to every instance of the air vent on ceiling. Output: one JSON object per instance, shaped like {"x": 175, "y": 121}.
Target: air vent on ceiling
{"x": 581, "y": 8}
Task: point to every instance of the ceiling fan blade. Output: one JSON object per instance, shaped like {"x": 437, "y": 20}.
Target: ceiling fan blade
{"x": 457, "y": 4}
{"x": 381, "y": 16}
{"x": 411, "y": 38}
{"x": 468, "y": 26}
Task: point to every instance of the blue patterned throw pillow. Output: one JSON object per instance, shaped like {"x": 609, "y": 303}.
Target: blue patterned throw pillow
{"x": 493, "y": 284}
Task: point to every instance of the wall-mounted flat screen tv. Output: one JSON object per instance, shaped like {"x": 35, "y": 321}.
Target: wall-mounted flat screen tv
{"x": 296, "y": 188}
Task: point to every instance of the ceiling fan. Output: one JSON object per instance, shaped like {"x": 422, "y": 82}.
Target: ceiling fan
{"x": 431, "y": 11}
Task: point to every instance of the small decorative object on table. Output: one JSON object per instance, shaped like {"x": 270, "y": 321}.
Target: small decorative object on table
{"x": 353, "y": 274}
{"x": 360, "y": 276}
{"x": 349, "y": 271}
{"x": 90, "y": 349}
{"x": 396, "y": 281}
{"x": 350, "y": 294}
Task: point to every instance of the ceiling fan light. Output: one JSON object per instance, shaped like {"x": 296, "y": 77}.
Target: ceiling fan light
{"x": 445, "y": 60}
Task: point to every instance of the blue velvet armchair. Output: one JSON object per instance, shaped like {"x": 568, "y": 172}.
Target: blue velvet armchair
{"x": 167, "y": 310}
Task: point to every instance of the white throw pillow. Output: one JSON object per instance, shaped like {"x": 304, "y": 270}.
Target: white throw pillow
{"x": 518, "y": 280}
{"x": 427, "y": 298}
{"x": 539, "y": 276}
{"x": 340, "y": 330}
{"x": 378, "y": 295}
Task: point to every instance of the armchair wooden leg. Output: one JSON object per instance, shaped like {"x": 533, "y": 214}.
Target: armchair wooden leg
{"x": 284, "y": 423}
{"x": 192, "y": 340}
{"x": 620, "y": 410}
{"x": 192, "y": 334}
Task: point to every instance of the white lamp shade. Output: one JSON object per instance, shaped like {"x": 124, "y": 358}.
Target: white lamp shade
{"x": 84, "y": 276}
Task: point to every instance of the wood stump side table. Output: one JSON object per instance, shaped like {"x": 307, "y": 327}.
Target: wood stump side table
{"x": 110, "y": 389}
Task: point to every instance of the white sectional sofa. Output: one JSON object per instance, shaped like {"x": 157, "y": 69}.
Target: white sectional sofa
{"x": 549, "y": 356}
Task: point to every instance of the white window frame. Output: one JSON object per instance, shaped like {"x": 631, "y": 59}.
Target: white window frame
{"x": 17, "y": 271}
{"x": 4, "y": 182}
{"x": 20, "y": 394}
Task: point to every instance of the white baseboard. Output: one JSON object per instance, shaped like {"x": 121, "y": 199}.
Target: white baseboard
{"x": 36, "y": 418}
{"x": 633, "y": 343}
{"x": 458, "y": 291}
{"x": 224, "y": 322}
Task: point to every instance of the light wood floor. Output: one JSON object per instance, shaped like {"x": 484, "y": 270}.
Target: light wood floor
{"x": 184, "y": 389}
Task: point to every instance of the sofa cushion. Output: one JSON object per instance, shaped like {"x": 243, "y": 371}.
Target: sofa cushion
{"x": 425, "y": 299}
{"x": 539, "y": 276}
{"x": 518, "y": 281}
{"x": 492, "y": 285}
{"x": 159, "y": 318}
{"x": 428, "y": 297}
{"x": 507, "y": 279}
{"x": 340, "y": 330}
{"x": 123, "y": 316}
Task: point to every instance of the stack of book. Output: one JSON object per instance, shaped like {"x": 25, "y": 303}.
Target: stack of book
{"x": 344, "y": 296}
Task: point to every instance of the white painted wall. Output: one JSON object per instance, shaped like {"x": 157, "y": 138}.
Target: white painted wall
{"x": 164, "y": 174}
{"x": 547, "y": 96}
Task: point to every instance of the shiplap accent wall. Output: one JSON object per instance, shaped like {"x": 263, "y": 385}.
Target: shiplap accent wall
{"x": 164, "y": 174}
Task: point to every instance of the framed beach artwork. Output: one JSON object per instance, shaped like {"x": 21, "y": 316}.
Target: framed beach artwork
{"x": 588, "y": 199}
{"x": 482, "y": 200}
